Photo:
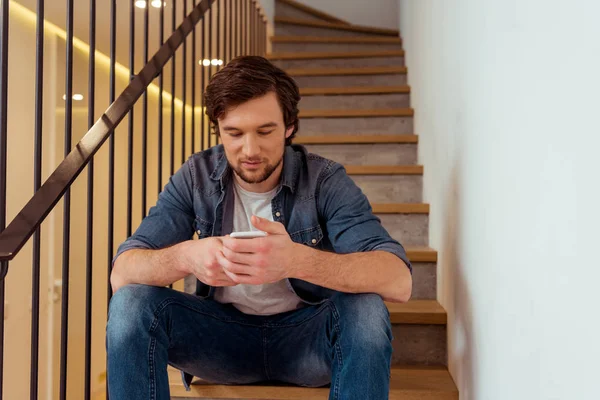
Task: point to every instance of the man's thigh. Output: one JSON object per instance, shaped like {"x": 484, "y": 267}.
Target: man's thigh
{"x": 212, "y": 341}
{"x": 298, "y": 347}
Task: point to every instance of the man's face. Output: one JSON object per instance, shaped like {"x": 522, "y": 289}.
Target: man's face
{"x": 253, "y": 136}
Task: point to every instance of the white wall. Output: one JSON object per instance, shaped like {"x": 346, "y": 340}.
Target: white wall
{"x": 506, "y": 100}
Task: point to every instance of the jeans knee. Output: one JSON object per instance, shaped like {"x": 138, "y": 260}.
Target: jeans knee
{"x": 131, "y": 309}
{"x": 365, "y": 319}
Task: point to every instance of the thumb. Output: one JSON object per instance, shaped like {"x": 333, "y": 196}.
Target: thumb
{"x": 274, "y": 228}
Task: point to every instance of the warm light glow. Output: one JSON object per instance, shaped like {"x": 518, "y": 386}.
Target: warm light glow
{"x": 157, "y": 3}
{"x": 102, "y": 59}
{"x": 204, "y": 62}
{"x": 141, "y": 4}
{"x": 76, "y": 97}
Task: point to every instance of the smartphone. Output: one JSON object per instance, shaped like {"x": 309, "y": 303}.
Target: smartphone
{"x": 248, "y": 235}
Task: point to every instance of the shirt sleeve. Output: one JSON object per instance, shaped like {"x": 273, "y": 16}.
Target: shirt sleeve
{"x": 168, "y": 222}
{"x": 351, "y": 225}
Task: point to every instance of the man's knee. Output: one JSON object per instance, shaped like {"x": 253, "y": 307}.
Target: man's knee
{"x": 364, "y": 319}
{"x": 131, "y": 309}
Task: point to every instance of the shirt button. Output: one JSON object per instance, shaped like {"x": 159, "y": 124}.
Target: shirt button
{"x": 278, "y": 214}
{"x": 199, "y": 233}
{"x": 314, "y": 241}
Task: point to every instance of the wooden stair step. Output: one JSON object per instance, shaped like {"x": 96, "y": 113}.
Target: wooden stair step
{"x": 378, "y": 112}
{"x": 422, "y": 254}
{"x": 334, "y": 54}
{"x": 346, "y": 71}
{"x": 406, "y": 383}
{"x": 400, "y": 208}
{"x": 337, "y": 26}
{"x": 404, "y": 89}
{"x": 428, "y": 312}
{"x": 335, "y": 39}
{"x": 357, "y": 139}
{"x": 384, "y": 169}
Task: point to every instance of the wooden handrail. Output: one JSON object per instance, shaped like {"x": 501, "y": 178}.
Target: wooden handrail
{"x": 16, "y": 234}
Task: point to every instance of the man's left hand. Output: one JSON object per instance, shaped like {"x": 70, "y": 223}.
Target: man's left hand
{"x": 261, "y": 260}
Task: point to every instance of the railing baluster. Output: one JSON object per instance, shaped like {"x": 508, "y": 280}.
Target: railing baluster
{"x": 194, "y": 71}
{"x": 111, "y": 148}
{"x": 130, "y": 121}
{"x": 236, "y": 28}
{"x": 145, "y": 117}
{"x": 230, "y": 33}
{"x": 210, "y": 56}
{"x": 218, "y": 33}
{"x": 90, "y": 206}
{"x": 67, "y": 207}
{"x": 161, "y": 85}
{"x": 173, "y": 68}
{"x": 4, "y": 18}
{"x": 202, "y": 81}
{"x": 184, "y": 86}
{"x": 37, "y": 181}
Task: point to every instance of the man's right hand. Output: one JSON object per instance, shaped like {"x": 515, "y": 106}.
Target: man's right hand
{"x": 199, "y": 258}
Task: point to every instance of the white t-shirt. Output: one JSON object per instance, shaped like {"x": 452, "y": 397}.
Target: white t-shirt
{"x": 267, "y": 299}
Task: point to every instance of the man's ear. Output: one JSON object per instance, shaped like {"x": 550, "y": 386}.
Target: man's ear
{"x": 289, "y": 131}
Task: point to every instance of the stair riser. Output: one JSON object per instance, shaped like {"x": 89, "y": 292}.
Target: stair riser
{"x": 356, "y": 126}
{"x": 351, "y": 80}
{"x": 408, "y": 229}
{"x": 424, "y": 281}
{"x": 419, "y": 344}
{"x": 391, "y": 188}
{"x": 341, "y": 62}
{"x": 355, "y": 101}
{"x": 279, "y": 47}
{"x": 367, "y": 154}
{"x": 285, "y": 29}
{"x": 284, "y": 10}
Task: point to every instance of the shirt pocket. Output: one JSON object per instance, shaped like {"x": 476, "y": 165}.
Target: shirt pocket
{"x": 311, "y": 237}
{"x": 202, "y": 228}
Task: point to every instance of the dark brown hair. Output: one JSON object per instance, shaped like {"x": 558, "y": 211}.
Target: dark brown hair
{"x": 246, "y": 78}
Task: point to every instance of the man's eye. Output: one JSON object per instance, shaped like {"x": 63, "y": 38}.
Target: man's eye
{"x": 264, "y": 133}
{"x": 235, "y": 134}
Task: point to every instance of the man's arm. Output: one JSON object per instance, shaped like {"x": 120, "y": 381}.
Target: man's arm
{"x": 148, "y": 267}
{"x": 368, "y": 272}
{"x": 151, "y": 255}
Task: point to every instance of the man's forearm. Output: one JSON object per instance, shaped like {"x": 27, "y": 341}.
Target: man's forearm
{"x": 369, "y": 272}
{"x": 149, "y": 267}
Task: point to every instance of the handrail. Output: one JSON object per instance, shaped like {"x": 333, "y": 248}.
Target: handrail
{"x": 18, "y": 232}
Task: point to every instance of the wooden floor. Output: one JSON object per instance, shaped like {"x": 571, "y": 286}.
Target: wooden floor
{"x": 407, "y": 383}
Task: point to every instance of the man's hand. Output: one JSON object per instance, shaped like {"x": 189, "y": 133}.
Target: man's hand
{"x": 200, "y": 258}
{"x": 261, "y": 260}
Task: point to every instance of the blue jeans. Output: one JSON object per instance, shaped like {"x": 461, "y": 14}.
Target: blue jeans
{"x": 344, "y": 342}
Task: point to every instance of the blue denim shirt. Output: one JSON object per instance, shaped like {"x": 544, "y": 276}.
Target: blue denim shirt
{"x": 318, "y": 203}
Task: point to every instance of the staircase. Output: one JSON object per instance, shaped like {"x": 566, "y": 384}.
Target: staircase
{"x": 355, "y": 109}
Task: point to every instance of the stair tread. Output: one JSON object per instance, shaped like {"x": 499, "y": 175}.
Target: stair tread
{"x": 333, "y": 54}
{"x": 337, "y": 26}
{"x": 334, "y": 39}
{"x": 346, "y": 71}
{"x": 417, "y": 312}
{"x": 406, "y": 383}
{"x": 421, "y": 254}
{"x": 356, "y": 139}
{"x": 384, "y": 169}
{"x": 404, "y": 89}
{"x": 355, "y": 113}
{"x": 400, "y": 208}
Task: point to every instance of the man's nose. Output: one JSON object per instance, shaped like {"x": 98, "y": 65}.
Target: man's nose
{"x": 251, "y": 147}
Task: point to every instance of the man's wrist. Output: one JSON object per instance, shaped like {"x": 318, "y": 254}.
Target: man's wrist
{"x": 301, "y": 261}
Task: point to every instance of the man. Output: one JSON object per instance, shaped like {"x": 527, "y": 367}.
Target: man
{"x": 303, "y": 305}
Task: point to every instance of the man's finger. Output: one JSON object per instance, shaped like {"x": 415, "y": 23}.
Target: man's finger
{"x": 232, "y": 266}
{"x": 271, "y": 227}
{"x": 240, "y": 258}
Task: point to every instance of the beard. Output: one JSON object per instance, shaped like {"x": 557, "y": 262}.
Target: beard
{"x": 257, "y": 176}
